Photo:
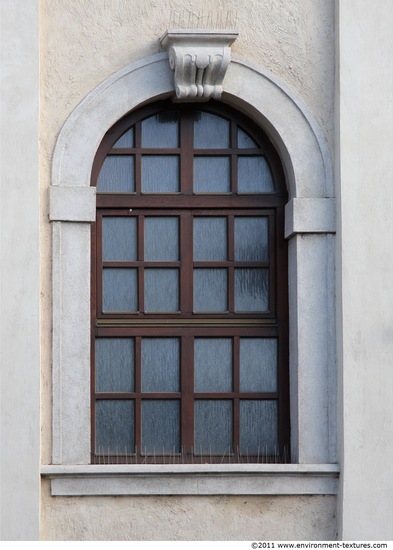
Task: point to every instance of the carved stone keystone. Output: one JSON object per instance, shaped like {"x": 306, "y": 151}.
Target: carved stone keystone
{"x": 200, "y": 59}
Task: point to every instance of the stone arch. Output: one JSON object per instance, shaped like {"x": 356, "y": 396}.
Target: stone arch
{"x": 291, "y": 126}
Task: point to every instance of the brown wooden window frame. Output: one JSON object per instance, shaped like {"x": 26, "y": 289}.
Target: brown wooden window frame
{"x": 186, "y": 324}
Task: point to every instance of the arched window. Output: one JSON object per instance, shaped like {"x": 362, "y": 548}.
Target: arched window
{"x": 309, "y": 230}
{"x": 189, "y": 310}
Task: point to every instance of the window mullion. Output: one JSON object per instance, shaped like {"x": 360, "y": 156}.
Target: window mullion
{"x": 187, "y": 401}
{"x": 234, "y": 170}
{"x": 186, "y": 153}
{"x": 186, "y": 259}
{"x": 138, "y": 159}
{"x": 236, "y": 389}
{"x": 231, "y": 258}
{"x": 141, "y": 271}
{"x": 272, "y": 264}
{"x": 138, "y": 401}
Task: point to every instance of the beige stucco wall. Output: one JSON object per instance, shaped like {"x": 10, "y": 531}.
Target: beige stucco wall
{"x": 82, "y": 43}
{"x": 188, "y": 518}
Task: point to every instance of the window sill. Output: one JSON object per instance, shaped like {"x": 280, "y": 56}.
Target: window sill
{"x": 195, "y": 479}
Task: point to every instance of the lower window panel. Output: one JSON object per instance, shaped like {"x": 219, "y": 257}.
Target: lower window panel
{"x": 180, "y": 398}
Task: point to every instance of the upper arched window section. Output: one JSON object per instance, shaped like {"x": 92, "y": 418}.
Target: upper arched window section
{"x": 193, "y": 151}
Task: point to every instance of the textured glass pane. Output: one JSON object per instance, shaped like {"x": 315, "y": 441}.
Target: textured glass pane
{"x": 160, "y": 427}
{"x": 211, "y": 132}
{"x": 160, "y": 174}
{"x": 213, "y": 364}
{"x": 258, "y": 427}
{"x": 161, "y": 290}
{"x": 161, "y": 239}
{"x": 119, "y": 238}
{"x": 160, "y": 364}
{"x": 114, "y": 365}
{"x": 117, "y": 175}
{"x": 114, "y": 427}
{"x": 251, "y": 239}
{"x": 126, "y": 140}
{"x": 211, "y": 175}
{"x": 210, "y": 239}
{"x": 161, "y": 130}
{"x": 213, "y": 427}
{"x": 120, "y": 289}
{"x": 254, "y": 175}
{"x": 258, "y": 364}
{"x": 251, "y": 290}
{"x": 210, "y": 290}
{"x": 244, "y": 141}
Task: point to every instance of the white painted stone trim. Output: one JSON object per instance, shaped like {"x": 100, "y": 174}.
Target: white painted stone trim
{"x": 225, "y": 479}
{"x": 311, "y": 348}
{"x": 72, "y": 204}
{"x": 303, "y": 150}
{"x": 309, "y": 216}
{"x": 71, "y": 343}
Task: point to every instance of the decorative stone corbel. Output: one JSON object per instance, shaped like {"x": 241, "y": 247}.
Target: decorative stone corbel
{"x": 200, "y": 59}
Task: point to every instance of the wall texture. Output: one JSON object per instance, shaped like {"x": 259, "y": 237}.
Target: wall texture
{"x": 365, "y": 268}
{"x": 188, "y": 518}
{"x": 19, "y": 271}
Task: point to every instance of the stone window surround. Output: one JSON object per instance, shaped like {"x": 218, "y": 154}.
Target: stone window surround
{"x": 310, "y": 228}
